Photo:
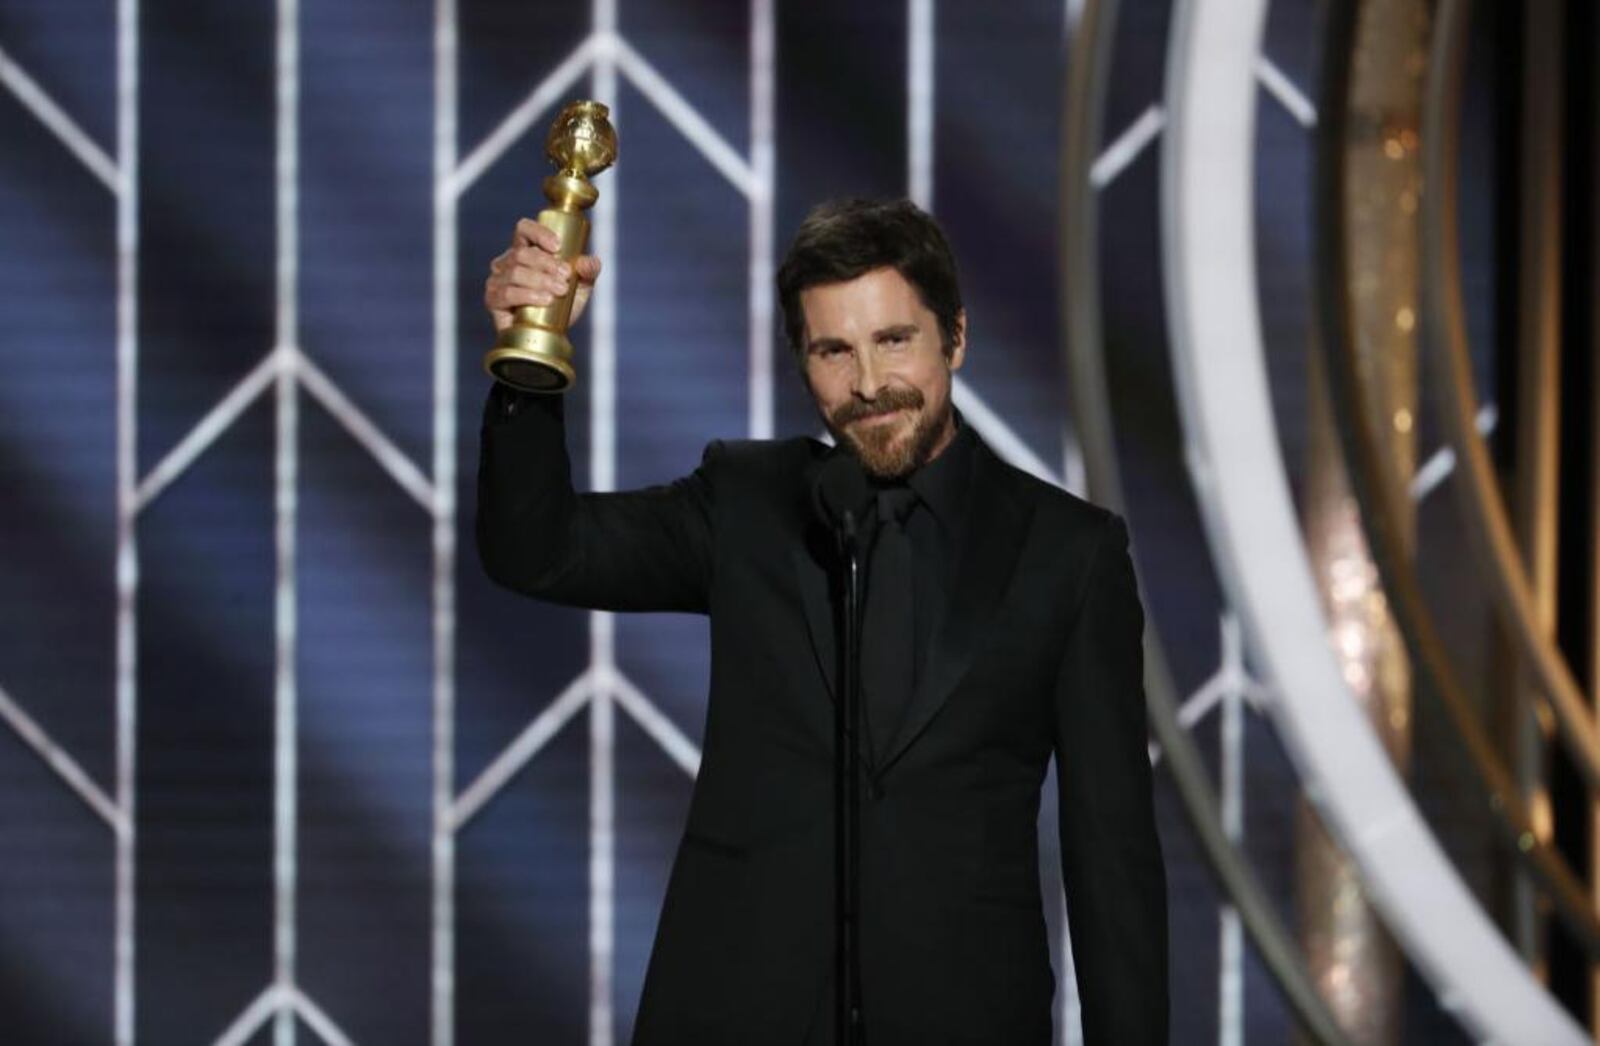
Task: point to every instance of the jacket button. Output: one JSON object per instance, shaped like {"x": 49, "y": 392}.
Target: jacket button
{"x": 874, "y": 790}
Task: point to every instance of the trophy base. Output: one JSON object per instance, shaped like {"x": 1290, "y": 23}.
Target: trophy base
{"x": 532, "y": 359}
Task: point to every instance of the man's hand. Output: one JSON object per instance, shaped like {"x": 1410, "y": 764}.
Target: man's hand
{"x": 529, "y": 273}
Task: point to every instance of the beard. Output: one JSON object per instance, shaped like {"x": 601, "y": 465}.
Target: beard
{"x": 883, "y": 453}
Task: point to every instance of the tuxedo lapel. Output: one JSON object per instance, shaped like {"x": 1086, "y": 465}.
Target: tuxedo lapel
{"x": 816, "y": 565}
{"x": 990, "y": 546}
{"x": 811, "y": 574}
{"x": 813, "y": 556}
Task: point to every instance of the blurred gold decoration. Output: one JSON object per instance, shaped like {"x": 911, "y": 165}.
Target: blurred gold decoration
{"x": 1357, "y": 967}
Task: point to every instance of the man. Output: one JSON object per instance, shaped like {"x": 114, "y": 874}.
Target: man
{"x": 1002, "y": 624}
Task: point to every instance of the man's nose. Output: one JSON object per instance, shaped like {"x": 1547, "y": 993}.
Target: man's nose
{"x": 869, "y": 378}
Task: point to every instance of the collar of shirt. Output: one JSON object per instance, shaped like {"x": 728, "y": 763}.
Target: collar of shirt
{"x": 942, "y": 484}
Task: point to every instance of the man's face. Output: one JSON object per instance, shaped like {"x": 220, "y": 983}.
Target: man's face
{"x": 878, "y": 371}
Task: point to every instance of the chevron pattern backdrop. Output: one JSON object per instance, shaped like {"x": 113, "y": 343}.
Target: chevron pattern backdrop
{"x": 278, "y": 764}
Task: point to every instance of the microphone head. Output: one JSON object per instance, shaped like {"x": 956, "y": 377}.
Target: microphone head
{"x": 842, "y": 493}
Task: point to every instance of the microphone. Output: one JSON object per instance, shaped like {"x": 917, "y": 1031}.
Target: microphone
{"x": 840, "y": 498}
{"x": 841, "y": 495}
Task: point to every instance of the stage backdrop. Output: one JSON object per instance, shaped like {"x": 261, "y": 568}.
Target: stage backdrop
{"x": 276, "y": 760}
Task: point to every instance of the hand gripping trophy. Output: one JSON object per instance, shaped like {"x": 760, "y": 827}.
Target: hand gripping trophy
{"x": 534, "y": 353}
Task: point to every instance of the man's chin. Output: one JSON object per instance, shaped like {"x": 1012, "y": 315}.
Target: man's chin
{"x": 887, "y": 459}
{"x": 885, "y": 469}
{"x": 890, "y": 450}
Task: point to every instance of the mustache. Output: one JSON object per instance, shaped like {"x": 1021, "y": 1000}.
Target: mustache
{"x": 888, "y": 401}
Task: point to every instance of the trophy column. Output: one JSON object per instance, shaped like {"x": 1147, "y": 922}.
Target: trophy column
{"x": 534, "y": 353}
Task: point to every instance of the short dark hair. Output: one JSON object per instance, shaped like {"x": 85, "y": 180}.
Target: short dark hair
{"x": 842, "y": 239}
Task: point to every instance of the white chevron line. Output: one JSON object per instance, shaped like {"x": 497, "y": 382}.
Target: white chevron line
{"x": 1231, "y": 677}
{"x": 1287, "y": 94}
{"x": 1069, "y": 1010}
{"x": 919, "y": 177}
{"x": 920, "y": 102}
{"x": 685, "y": 118}
{"x": 442, "y": 907}
{"x": 1074, "y": 473}
{"x": 1121, "y": 153}
{"x": 517, "y": 122}
{"x": 254, "y": 1016}
{"x": 55, "y": 119}
{"x": 1230, "y": 958}
{"x": 763, "y": 162}
{"x": 602, "y": 626}
{"x": 394, "y": 461}
{"x": 1071, "y": 15}
{"x": 534, "y": 736}
{"x": 314, "y": 1016}
{"x": 663, "y": 730}
{"x": 1433, "y": 472}
{"x": 998, "y": 434}
{"x": 1442, "y": 462}
{"x": 286, "y": 531}
{"x": 63, "y": 764}
{"x": 1206, "y": 696}
{"x": 602, "y": 868}
{"x": 124, "y": 941}
{"x": 213, "y": 425}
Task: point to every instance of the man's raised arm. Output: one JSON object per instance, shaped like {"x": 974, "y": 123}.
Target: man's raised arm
{"x": 641, "y": 550}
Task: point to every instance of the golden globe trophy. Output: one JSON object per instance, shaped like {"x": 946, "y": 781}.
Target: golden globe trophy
{"x": 534, "y": 353}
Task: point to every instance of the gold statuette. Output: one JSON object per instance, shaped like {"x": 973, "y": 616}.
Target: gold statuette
{"x": 534, "y": 353}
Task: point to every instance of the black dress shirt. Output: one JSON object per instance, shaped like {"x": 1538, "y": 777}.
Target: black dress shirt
{"x": 936, "y": 526}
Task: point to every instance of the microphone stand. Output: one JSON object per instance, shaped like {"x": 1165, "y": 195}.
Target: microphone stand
{"x": 847, "y": 797}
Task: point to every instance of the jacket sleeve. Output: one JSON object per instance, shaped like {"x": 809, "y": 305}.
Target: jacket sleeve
{"x": 1111, "y": 863}
{"x": 648, "y": 549}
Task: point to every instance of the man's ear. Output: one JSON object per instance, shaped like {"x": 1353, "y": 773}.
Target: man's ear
{"x": 958, "y": 340}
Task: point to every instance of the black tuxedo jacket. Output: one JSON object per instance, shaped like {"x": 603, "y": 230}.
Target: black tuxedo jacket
{"x": 1039, "y": 654}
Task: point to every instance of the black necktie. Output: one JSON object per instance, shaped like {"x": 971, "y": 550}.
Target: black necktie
{"x": 888, "y": 628}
